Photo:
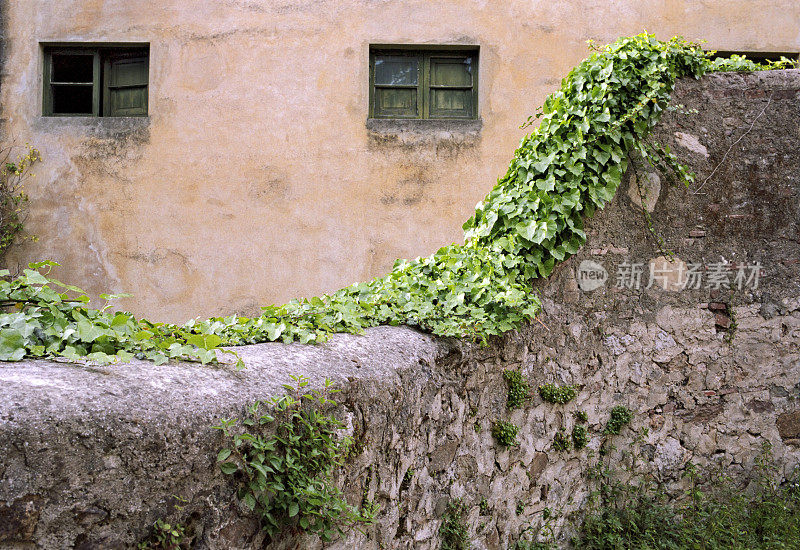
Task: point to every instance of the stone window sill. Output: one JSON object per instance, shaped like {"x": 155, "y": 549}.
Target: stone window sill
{"x": 101, "y": 127}
{"x": 389, "y": 132}
{"x": 394, "y": 126}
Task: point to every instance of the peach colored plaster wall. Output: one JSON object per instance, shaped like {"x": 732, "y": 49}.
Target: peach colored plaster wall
{"x": 255, "y": 179}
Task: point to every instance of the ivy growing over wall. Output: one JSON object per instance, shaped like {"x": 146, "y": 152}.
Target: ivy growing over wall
{"x": 570, "y": 165}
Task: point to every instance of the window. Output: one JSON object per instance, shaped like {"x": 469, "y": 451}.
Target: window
{"x": 95, "y": 81}
{"x": 415, "y": 83}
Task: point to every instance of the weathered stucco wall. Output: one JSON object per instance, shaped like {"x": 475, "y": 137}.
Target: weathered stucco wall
{"x": 92, "y": 456}
{"x": 256, "y": 179}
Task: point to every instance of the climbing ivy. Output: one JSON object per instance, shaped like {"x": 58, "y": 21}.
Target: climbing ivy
{"x": 570, "y": 165}
{"x": 50, "y": 318}
{"x": 740, "y": 63}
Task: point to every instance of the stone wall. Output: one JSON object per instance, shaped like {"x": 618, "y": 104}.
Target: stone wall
{"x": 92, "y": 456}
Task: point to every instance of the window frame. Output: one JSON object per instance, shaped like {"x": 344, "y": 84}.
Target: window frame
{"x": 425, "y": 54}
{"x": 102, "y": 53}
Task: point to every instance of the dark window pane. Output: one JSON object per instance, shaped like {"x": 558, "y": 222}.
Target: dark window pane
{"x": 451, "y": 72}
{"x": 72, "y": 99}
{"x": 396, "y": 71}
{"x": 72, "y": 68}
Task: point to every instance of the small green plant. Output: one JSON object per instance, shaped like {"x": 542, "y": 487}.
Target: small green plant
{"x": 730, "y": 334}
{"x": 520, "y": 508}
{"x": 483, "y": 507}
{"x": 165, "y": 536}
{"x": 369, "y": 508}
{"x": 538, "y": 537}
{"x": 453, "y": 531}
{"x": 477, "y": 427}
{"x": 505, "y": 433}
{"x": 557, "y": 394}
{"x": 407, "y": 478}
{"x": 286, "y": 477}
{"x": 518, "y": 389}
{"x": 581, "y": 416}
{"x": 561, "y": 441}
{"x": 620, "y": 417}
{"x": 14, "y": 171}
{"x": 580, "y": 437}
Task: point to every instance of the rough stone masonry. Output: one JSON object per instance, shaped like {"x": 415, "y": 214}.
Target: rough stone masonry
{"x": 704, "y": 349}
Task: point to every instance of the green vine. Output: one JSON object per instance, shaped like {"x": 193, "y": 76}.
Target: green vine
{"x": 286, "y": 477}
{"x": 50, "y": 318}
{"x": 739, "y": 63}
{"x": 564, "y": 170}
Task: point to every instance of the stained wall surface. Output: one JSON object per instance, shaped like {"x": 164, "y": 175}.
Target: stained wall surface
{"x": 256, "y": 178}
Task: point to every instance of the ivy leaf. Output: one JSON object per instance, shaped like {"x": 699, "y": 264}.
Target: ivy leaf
{"x": 547, "y": 184}
{"x": 87, "y": 331}
{"x": 12, "y": 345}
{"x": 541, "y": 165}
{"x": 204, "y": 341}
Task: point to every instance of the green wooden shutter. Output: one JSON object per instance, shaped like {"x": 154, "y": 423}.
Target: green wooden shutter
{"x": 396, "y": 82}
{"x": 451, "y": 88}
{"x": 125, "y": 91}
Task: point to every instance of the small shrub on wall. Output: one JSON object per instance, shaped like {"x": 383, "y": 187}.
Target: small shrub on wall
{"x": 14, "y": 171}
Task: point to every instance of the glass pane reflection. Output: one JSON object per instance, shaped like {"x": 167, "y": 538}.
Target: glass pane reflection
{"x": 396, "y": 71}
